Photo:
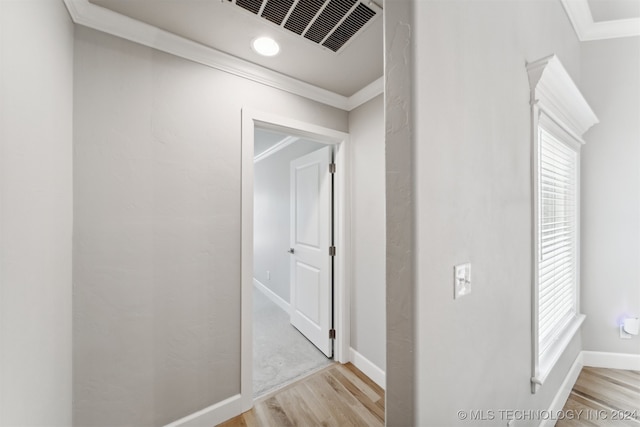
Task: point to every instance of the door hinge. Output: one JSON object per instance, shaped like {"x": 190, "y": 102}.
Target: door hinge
{"x": 332, "y": 334}
{"x": 332, "y": 251}
{"x": 332, "y": 168}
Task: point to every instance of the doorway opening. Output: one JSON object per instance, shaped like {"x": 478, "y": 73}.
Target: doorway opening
{"x": 292, "y": 269}
{"x": 294, "y": 251}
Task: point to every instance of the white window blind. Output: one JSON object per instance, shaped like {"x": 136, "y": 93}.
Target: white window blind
{"x": 557, "y": 237}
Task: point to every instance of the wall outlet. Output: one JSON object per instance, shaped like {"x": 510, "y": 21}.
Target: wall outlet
{"x": 461, "y": 280}
{"x": 623, "y": 334}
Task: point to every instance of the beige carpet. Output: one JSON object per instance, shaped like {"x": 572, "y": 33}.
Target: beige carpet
{"x": 281, "y": 354}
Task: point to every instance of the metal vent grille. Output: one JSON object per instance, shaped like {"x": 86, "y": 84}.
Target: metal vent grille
{"x": 329, "y": 17}
{"x": 252, "y": 6}
{"x": 329, "y": 23}
{"x": 302, "y": 15}
{"x": 276, "y": 10}
{"x": 360, "y": 16}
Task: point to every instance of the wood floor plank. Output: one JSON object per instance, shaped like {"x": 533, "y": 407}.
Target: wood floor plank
{"x": 261, "y": 412}
{"x": 605, "y": 397}
{"x": 625, "y": 379}
{"x": 277, "y": 414}
{"x": 360, "y": 396}
{"x": 359, "y": 407}
{"x": 606, "y": 392}
{"x": 575, "y": 406}
{"x": 365, "y": 388}
{"x": 336, "y": 400}
{"x": 250, "y": 419}
{"x": 318, "y": 405}
{"x": 338, "y": 396}
{"x": 368, "y": 381}
{"x": 296, "y": 408}
{"x": 235, "y": 422}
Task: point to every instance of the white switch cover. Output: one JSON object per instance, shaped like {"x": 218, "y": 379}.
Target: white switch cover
{"x": 461, "y": 280}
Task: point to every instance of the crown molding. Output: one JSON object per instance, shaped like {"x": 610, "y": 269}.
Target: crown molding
{"x": 280, "y": 145}
{"x": 366, "y": 94}
{"x": 587, "y": 30}
{"x": 107, "y": 21}
{"x": 553, "y": 91}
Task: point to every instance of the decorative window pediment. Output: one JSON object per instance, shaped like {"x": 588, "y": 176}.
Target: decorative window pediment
{"x": 555, "y": 93}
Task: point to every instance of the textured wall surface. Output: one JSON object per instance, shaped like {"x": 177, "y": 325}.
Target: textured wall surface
{"x": 157, "y": 229}
{"x": 473, "y": 200}
{"x": 400, "y": 227}
{"x": 272, "y": 228}
{"x": 36, "y": 89}
{"x": 368, "y": 320}
{"x": 611, "y": 194}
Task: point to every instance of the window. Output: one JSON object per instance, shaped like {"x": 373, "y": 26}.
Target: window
{"x": 557, "y": 251}
{"x": 560, "y": 116}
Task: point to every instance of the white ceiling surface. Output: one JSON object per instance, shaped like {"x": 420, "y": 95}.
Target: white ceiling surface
{"x": 604, "y": 19}
{"x": 230, "y": 29}
{"x": 265, "y": 139}
{"x": 610, "y": 10}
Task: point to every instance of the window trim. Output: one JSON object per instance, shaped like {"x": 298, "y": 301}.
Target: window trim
{"x": 558, "y": 107}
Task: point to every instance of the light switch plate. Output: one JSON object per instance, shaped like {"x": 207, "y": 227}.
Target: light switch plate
{"x": 461, "y": 280}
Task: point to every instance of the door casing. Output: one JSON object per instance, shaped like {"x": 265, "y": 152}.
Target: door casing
{"x": 341, "y": 319}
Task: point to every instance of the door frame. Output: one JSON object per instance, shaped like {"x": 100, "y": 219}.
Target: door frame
{"x": 341, "y": 316}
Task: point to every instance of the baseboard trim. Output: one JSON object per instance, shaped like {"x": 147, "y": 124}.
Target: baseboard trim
{"x": 562, "y": 395}
{"x": 368, "y": 368}
{"x": 601, "y": 359}
{"x": 277, "y": 299}
{"x": 213, "y": 415}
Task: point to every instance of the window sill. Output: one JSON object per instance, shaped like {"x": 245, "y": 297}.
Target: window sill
{"x": 547, "y": 361}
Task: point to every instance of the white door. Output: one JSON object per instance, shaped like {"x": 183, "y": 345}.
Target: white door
{"x": 311, "y": 292}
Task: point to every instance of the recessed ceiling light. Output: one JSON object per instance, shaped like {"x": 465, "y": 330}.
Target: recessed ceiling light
{"x": 266, "y": 46}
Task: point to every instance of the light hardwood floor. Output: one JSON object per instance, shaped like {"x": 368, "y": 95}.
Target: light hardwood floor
{"x": 339, "y": 395}
{"x": 604, "y": 397}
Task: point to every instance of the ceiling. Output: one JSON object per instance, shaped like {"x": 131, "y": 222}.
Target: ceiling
{"x": 268, "y": 142}
{"x": 604, "y": 19}
{"x": 609, "y": 10}
{"x": 226, "y": 27}
{"x": 265, "y": 139}
{"x": 218, "y": 33}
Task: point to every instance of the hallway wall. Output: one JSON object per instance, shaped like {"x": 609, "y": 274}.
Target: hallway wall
{"x": 610, "y": 197}
{"x": 368, "y": 320}
{"x": 471, "y": 154}
{"x": 474, "y": 202}
{"x": 157, "y": 229}
{"x": 36, "y": 92}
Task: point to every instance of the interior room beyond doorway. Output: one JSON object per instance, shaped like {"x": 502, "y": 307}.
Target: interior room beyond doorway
{"x": 281, "y": 353}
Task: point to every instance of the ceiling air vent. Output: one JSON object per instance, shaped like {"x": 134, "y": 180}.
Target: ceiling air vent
{"x": 329, "y": 23}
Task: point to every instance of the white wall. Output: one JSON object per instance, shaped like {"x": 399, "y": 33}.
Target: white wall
{"x": 157, "y": 229}
{"x": 368, "y": 321}
{"x": 271, "y": 232}
{"x": 36, "y": 86}
{"x": 472, "y": 165}
{"x": 611, "y": 193}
